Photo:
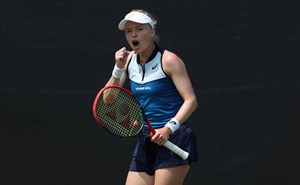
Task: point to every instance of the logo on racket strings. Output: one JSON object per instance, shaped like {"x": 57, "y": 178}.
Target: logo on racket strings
{"x": 120, "y": 115}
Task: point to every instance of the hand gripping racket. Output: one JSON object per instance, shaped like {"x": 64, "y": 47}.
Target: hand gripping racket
{"x": 116, "y": 110}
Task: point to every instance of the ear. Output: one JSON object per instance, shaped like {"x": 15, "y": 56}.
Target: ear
{"x": 152, "y": 32}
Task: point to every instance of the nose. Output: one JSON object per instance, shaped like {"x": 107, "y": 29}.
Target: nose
{"x": 133, "y": 34}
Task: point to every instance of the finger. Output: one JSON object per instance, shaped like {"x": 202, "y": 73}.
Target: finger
{"x": 158, "y": 138}
{"x": 151, "y": 134}
{"x": 123, "y": 49}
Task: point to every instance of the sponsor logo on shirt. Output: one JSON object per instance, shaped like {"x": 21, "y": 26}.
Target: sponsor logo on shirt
{"x": 142, "y": 88}
{"x": 154, "y": 66}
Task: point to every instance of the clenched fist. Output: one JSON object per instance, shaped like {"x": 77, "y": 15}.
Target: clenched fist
{"x": 121, "y": 57}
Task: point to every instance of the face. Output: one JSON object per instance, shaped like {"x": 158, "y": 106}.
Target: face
{"x": 139, "y": 36}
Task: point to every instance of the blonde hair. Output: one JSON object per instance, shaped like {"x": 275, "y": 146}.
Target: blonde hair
{"x": 155, "y": 37}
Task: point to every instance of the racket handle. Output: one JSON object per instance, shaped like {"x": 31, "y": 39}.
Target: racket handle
{"x": 174, "y": 148}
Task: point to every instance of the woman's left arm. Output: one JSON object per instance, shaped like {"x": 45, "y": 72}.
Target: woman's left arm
{"x": 176, "y": 69}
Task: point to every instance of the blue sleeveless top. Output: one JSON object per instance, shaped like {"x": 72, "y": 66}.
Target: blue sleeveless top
{"x": 154, "y": 90}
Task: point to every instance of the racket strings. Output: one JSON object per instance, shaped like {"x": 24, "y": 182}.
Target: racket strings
{"x": 119, "y": 113}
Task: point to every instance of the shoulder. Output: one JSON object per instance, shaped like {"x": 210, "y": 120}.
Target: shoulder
{"x": 170, "y": 58}
{"x": 172, "y": 62}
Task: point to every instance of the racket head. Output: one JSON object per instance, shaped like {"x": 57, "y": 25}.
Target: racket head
{"x": 117, "y": 111}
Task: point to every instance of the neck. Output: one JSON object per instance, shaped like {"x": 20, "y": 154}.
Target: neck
{"x": 144, "y": 56}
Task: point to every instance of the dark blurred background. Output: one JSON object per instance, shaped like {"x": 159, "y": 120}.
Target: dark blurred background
{"x": 242, "y": 57}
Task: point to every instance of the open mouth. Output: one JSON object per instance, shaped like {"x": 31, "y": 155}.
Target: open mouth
{"x": 135, "y": 43}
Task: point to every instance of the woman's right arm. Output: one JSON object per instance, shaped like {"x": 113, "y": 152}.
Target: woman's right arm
{"x": 121, "y": 58}
{"x": 117, "y": 81}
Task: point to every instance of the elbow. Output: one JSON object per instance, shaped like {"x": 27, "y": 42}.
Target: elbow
{"x": 195, "y": 103}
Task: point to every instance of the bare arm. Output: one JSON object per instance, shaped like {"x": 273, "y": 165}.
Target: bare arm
{"x": 175, "y": 68}
{"x": 121, "y": 59}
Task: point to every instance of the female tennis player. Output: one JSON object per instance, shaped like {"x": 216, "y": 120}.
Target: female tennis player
{"x": 160, "y": 82}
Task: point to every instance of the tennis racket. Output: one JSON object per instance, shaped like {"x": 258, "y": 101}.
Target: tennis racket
{"x": 117, "y": 111}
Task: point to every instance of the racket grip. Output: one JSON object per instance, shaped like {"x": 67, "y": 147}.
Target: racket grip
{"x": 174, "y": 148}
